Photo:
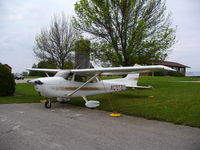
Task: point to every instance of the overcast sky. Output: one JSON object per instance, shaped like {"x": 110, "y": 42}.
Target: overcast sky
{"x": 22, "y": 20}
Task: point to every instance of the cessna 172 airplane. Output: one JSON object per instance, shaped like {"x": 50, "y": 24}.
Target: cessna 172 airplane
{"x": 85, "y": 82}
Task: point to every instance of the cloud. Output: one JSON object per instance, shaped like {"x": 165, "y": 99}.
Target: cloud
{"x": 186, "y": 16}
{"x": 21, "y": 20}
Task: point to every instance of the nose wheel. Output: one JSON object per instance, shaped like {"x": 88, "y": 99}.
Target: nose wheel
{"x": 47, "y": 104}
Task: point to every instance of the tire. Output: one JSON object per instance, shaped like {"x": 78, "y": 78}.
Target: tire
{"x": 47, "y": 105}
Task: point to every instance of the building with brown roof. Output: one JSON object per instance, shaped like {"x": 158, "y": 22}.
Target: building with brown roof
{"x": 174, "y": 65}
{"x": 7, "y": 66}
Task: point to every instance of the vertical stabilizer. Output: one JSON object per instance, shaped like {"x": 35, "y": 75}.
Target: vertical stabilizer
{"x": 131, "y": 79}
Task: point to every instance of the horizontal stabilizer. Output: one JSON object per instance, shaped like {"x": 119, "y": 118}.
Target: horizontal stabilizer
{"x": 143, "y": 87}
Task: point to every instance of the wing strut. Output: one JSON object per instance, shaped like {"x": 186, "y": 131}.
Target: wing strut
{"x": 47, "y": 74}
{"x": 83, "y": 84}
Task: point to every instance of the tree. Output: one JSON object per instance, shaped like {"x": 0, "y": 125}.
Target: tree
{"x": 7, "y": 82}
{"x": 126, "y": 31}
{"x": 56, "y": 43}
{"x": 43, "y": 64}
{"x": 33, "y": 73}
{"x": 47, "y": 64}
{"x": 25, "y": 73}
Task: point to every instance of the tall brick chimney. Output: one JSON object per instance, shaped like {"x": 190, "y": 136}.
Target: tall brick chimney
{"x": 82, "y": 54}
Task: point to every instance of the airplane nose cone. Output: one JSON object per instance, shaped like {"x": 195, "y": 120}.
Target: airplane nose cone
{"x": 30, "y": 81}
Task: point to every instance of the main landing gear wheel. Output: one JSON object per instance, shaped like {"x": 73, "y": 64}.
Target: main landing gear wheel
{"x": 91, "y": 104}
{"x": 47, "y": 104}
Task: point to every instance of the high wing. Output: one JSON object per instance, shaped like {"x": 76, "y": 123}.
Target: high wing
{"x": 44, "y": 70}
{"x": 109, "y": 70}
{"x": 137, "y": 69}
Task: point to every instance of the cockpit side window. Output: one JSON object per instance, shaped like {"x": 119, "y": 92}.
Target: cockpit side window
{"x": 79, "y": 78}
{"x": 69, "y": 77}
{"x": 82, "y": 78}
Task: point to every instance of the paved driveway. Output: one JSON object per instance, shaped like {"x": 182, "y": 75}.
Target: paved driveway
{"x": 66, "y": 127}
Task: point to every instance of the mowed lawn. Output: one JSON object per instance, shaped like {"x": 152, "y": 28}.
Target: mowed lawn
{"x": 170, "y": 100}
{"x": 24, "y": 93}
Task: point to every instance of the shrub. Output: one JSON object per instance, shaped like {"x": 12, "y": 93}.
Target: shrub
{"x": 176, "y": 74}
{"x": 7, "y": 82}
{"x": 159, "y": 73}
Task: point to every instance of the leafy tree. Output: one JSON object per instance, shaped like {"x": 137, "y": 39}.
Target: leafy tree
{"x": 33, "y": 73}
{"x": 7, "y": 82}
{"x": 25, "y": 73}
{"x": 126, "y": 31}
{"x": 69, "y": 65}
{"x": 50, "y": 64}
{"x": 56, "y": 42}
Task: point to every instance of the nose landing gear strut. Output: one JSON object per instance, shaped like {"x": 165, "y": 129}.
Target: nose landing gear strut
{"x": 47, "y": 103}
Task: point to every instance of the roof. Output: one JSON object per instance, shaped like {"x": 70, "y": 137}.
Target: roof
{"x": 171, "y": 64}
{"x": 7, "y": 66}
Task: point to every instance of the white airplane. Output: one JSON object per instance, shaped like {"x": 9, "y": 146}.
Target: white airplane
{"x": 85, "y": 82}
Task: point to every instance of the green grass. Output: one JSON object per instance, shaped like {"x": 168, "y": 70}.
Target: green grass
{"x": 173, "y": 101}
{"x": 25, "y": 93}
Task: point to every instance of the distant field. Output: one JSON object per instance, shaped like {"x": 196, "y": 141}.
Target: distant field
{"x": 172, "y": 101}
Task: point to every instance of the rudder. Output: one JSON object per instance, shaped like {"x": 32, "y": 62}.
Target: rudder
{"x": 131, "y": 80}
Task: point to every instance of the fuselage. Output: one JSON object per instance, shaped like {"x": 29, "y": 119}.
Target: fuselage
{"x": 60, "y": 87}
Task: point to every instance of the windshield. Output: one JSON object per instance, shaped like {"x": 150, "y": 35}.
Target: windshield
{"x": 63, "y": 74}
